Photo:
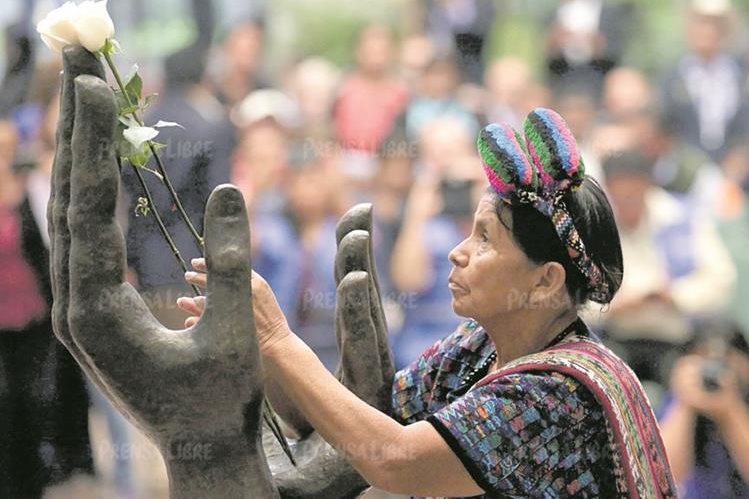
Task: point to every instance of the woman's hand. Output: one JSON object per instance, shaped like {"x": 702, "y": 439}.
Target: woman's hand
{"x": 270, "y": 322}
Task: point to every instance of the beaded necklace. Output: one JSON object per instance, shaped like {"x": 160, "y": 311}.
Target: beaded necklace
{"x": 481, "y": 370}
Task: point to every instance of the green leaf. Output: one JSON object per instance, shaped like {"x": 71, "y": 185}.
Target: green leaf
{"x": 157, "y": 145}
{"x": 139, "y": 159}
{"x": 134, "y": 87}
{"x": 141, "y": 156}
{"x": 128, "y": 110}
{"x": 120, "y": 98}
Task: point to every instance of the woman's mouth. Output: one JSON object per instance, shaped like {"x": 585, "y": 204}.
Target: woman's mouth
{"x": 455, "y": 287}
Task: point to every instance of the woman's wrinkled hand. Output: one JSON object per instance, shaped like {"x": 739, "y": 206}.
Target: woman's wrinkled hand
{"x": 270, "y": 321}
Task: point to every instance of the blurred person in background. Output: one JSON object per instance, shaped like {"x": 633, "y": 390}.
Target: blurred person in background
{"x": 437, "y": 216}
{"x": 585, "y": 40}
{"x": 609, "y": 137}
{"x": 196, "y": 157}
{"x": 395, "y": 175}
{"x": 25, "y": 305}
{"x": 43, "y": 406}
{"x": 416, "y": 52}
{"x": 702, "y": 115}
{"x": 626, "y": 93}
{"x": 678, "y": 268}
{"x": 315, "y": 201}
{"x": 510, "y": 91}
{"x": 578, "y": 106}
{"x": 682, "y": 168}
{"x": 705, "y": 421}
{"x": 368, "y": 102}
{"x": 19, "y": 58}
{"x": 238, "y": 68}
{"x": 461, "y": 27}
{"x": 73, "y": 448}
{"x": 312, "y": 87}
{"x": 436, "y": 99}
{"x": 260, "y": 171}
{"x": 260, "y": 162}
{"x": 44, "y": 377}
{"x": 392, "y": 182}
{"x": 735, "y": 165}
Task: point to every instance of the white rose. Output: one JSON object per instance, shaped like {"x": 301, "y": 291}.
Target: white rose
{"x": 93, "y": 24}
{"x": 58, "y": 29}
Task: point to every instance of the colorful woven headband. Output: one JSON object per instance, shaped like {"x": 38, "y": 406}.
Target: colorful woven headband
{"x": 539, "y": 170}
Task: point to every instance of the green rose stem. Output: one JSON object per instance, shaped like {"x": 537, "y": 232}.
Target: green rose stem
{"x": 159, "y": 164}
{"x": 160, "y": 223}
{"x": 269, "y": 415}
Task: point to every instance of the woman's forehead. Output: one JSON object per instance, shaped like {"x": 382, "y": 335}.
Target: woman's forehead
{"x": 488, "y": 211}
{"x": 487, "y": 204}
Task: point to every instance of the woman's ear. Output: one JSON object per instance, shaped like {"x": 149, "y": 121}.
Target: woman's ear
{"x": 549, "y": 283}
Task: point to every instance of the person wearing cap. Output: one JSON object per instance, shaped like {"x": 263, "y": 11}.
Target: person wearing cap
{"x": 522, "y": 399}
{"x": 705, "y": 118}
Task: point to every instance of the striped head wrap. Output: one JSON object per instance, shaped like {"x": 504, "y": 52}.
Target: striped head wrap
{"x": 538, "y": 170}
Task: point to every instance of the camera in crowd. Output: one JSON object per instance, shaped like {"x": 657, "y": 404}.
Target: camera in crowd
{"x": 456, "y": 197}
{"x": 715, "y": 339}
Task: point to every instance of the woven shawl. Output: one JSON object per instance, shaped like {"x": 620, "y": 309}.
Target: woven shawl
{"x": 640, "y": 460}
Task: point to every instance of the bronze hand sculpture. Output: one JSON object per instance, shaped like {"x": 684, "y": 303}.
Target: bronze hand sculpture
{"x": 196, "y": 393}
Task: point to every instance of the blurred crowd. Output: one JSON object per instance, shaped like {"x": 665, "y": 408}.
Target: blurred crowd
{"x": 397, "y": 129}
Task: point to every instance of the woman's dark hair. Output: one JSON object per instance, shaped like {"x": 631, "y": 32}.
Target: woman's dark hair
{"x": 594, "y": 221}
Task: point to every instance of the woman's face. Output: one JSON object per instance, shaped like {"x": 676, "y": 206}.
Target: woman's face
{"x": 491, "y": 275}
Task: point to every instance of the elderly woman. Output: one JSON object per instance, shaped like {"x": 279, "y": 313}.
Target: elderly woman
{"x": 522, "y": 400}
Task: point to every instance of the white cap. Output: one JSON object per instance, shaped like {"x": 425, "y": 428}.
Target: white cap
{"x": 266, "y": 103}
{"x": 711, "y": 7}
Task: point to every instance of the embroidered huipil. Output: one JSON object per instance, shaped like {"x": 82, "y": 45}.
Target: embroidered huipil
{"x": 535, "y": 428}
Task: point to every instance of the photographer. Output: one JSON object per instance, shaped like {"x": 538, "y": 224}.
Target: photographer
{"x": 705, "y": 424}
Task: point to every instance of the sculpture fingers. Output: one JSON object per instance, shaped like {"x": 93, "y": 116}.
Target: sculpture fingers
{"x": 97, "y": 250}
{"x": 76, "y": 61}
{"x": 360, "y": 218}
{"x": 359, "y": 361}
{"x": 355, "y": 254}
{"x": 228, "y": 311}
{"x": 226, "y": 328}
{"x": 349, "y": 257}
{"x": 108, "y": 320}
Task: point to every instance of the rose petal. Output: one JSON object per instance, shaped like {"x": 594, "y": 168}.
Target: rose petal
{"x": 94, "y": 25}
{"x": 163, "y": 124}
{"x": 54, "y": 43}
{"x": 57, "y": 29}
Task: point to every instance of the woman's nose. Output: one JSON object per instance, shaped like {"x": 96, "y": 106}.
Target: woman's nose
{"x": 457, "y": 256}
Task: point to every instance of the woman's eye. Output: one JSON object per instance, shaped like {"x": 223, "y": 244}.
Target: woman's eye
{"x": 484, "y": 237}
